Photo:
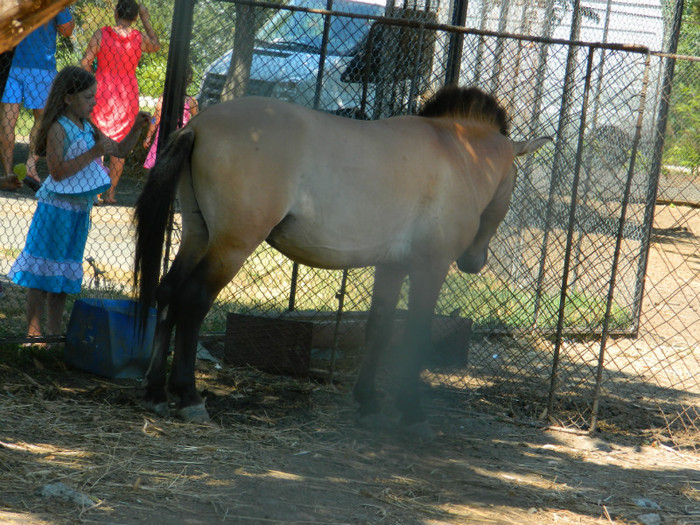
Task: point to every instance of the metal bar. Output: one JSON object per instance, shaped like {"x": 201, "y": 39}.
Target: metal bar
{"x": 338, "y": 317}
{"x": 546, "y": 332}
{"x": 174, "y": 90}
{"x": 322, "y": 54}
{"x": 618, "y": 248}
{"x": 293, "y": 287}
{"x": 454, "y": 51}
{"x": 655, "y": 170}
{"x": 570, "y": 234}
{"x": 317, "y": 98}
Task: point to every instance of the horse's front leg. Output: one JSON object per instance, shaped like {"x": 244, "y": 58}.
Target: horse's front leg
{"x": 193, "y": 300}
{"x": 387, "y": 286}
{"x": 475, "y": 256}
{"x": 424, "y": 292}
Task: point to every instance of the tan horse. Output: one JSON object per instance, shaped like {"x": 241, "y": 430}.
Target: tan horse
{"x": 408, "y": 195}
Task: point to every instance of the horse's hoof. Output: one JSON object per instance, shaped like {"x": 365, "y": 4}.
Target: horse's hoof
{"x": 161, "y": 409}
{"x": 375, "y": 420}
{"x": 420, "y": 430}
{"x": 194, "y": 414}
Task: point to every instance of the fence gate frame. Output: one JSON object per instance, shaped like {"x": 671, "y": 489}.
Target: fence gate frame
{"x": 182, "y": 26}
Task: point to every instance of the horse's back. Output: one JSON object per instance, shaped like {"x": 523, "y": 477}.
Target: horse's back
{"x": 336, "y": 192}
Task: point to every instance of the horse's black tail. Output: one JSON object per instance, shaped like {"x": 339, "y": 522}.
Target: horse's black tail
{"x": 152, "y": 214}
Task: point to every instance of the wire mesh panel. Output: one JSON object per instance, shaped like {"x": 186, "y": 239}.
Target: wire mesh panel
{"x": 636, "y": 23}
{"x": 660, "y": 367}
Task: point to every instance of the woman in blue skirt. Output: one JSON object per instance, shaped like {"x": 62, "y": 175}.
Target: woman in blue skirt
{"x": 51, "y": 264}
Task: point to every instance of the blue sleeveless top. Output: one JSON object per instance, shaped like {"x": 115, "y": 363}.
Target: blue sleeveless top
{"x": 93, "y": 179}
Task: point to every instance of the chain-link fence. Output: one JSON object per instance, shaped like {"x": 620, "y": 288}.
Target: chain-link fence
{"x": 120, "y": 45}
{"x": 572, "y": 318}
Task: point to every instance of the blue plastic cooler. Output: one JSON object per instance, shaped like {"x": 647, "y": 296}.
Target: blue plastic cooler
{"x": 103, "y": 338}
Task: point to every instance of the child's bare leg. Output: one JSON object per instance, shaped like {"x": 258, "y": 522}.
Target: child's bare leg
{"x": 8, "y": 121}
{"x": 56, "y": 306}
{"x": 32, "y": 157}
{"x": 35, "y": 311}
{"x": 116, "y": 167}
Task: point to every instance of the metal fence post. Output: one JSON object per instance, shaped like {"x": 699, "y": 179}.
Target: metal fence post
{"x": 174, "y": 90}
{"x": 660, "y": 139}
{"x": 563, "y": 296}
{"x": 618, "y": 247}
{"x": 454, "y": 53}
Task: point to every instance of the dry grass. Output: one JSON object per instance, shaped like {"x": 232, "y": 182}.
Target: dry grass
{"x": 289, "y": 451}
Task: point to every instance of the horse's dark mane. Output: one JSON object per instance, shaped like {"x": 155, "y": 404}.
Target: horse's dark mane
{"x": 468, "y": 102}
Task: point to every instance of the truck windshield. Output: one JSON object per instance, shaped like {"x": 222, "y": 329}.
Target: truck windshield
{"x": 303, "y": 31}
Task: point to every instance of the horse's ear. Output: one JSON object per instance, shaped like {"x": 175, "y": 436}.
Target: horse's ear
{"x": 529, "y": 146}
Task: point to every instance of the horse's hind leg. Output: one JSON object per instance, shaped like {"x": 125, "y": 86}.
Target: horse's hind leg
{"x": 387, "y": 286}
{"x": 189, "y": 307}
{"x": 191, "y": 250}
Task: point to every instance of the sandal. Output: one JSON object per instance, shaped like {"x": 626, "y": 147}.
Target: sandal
{"x": 10, "y": 183}
{"x": 35, "y": 345}
{"x": 32, "y": 183}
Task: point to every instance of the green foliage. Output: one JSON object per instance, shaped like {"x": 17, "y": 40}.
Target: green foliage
{"x": 214, "y": 27}
{"x": 501, "y": 305}
{"x": 151, "y": 71}
{"x": 683, "y": 131}
{"x": 91, "y": 15}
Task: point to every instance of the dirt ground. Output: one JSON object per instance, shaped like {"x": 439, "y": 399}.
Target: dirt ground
{"x": 77, "y": 448}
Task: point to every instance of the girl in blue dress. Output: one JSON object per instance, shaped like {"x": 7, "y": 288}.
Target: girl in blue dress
{"x": 51, "y": 264}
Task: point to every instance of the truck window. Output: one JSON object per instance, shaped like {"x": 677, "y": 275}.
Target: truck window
{"x": 303, "y": 31}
